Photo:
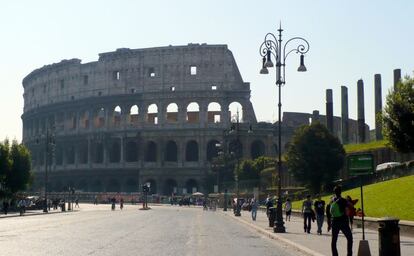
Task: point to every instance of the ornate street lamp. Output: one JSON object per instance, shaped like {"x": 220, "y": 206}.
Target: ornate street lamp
{"x": 272, "y": 46}
{"x": 48, "y": 155}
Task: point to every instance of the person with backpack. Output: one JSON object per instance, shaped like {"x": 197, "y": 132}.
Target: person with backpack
{"x": 288, "y": 209}
{"x": 307, "y": 214}
{"x": 339, "y": 221}
{"x": 319, "y": 207}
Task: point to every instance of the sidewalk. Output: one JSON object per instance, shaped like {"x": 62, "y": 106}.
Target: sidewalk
{"x": 314, "y": 244}
{"x": 29, "y": 213}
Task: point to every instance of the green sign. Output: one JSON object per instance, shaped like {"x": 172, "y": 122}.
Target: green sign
{"x": 361, "y": 164}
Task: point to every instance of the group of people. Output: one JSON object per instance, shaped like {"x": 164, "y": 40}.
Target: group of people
{"x": 113, "y": 203}
{"x": 340, "y": 213}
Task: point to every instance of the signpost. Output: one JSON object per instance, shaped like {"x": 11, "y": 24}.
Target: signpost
{"x": 360, "y": 165}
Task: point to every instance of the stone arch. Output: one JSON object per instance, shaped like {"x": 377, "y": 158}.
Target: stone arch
{"x": 172, "y": 113}
{"x": 131, "y": 185}
{"x": 115, "y": 151}
{"x": 113, "y": 186}
{"x": 214, "y": 112}
{"x": 84, "y": 119}
{"x": 171, "y": 150}
{"x": 116, "y": 116}
{"x": 100, "y": 118}
{"x": 257, "y": 149}
{"x": 83, "y": 185}
{"x": 191, "y": 151}
{"x": 98, "y": 153}
{"x": 133, "y": 115}
{"x": 169, "y": 186}
{"x": 70, "y": 154}
{"x": 151, "y": 152}
{"x": 236, "y": 148}
{"x": 82, "y": 151}
{"x": 153, "y": 186}
{"x": 236, "y": 110}
{"x": 96, "y": 186}
{"x": 152, "y": 114}
{"x": 131, "y": 152}
{"x": 212, "y": 149}
{"x": 193, "y": 113}
{"x": 191, "y": 186}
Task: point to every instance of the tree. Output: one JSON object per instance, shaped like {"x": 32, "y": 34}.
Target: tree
{"x": 15, "y": 167}
{"x": 314, "y": 156}
{"x": 398, "y": 116}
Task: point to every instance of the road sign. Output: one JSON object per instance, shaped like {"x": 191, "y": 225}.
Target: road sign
{"x": 361, "y": 164}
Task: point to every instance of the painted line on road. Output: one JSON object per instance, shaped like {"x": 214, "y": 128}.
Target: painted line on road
{"x": 274, "y": 236}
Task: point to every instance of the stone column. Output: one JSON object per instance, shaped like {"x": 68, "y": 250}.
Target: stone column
{"x": 344, "y": 115}
{"x": 329, "y": 110}
{"x": 122, "y": 148}
{"x": 89, "y": 152}
{"x": 397, "y": 76}
{"x": 182, "y": 113}
{"x": 361, "y": 112}
{"x": 203, "y": 114}
{"x": 162, "y": 114}
{"x": 315, "y": 116}
{"x": 378, "y": 106}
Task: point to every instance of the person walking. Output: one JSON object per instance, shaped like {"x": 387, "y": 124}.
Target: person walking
{"x": 319, "y": 207}
{"x": 339, "y": 221}
{"x": 121, "y": 203}
{"x": 288, "y": 209}
{"x": 254, "y": 205}
{"x": 307, "y": 214}
{"x": 351, "y": 211}
{"x": 269, "y": 204}
{"x": 77, "y": 202}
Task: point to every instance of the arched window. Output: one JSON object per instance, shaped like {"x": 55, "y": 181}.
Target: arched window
{"x": 191, "y": 151}
{"x": 151, "y": 152}
{"x": 213, "y": 147}
{"x": 170, "y": 186}
{"x": 100, "y": 118}
{"x": 257, "y": 149}
{"x": 191, "y": 186}
{"x": 133, "y": 115}
{"x": 236, "y": 148}
{"x": 83, "y": 152}
{"x": 236, "y": 111}
{"x": 172, "y": 113}
{"x": 131, "y": 151}
{"x": 70, "y": 155}
{"x": 214, "y": 113}
{"x": 152, "y": 114}
{"x": 98, "y": 156}
{"x": 117, "y": 116}
{"x": 193, "y": 113}
{"x": 171, "y": 151}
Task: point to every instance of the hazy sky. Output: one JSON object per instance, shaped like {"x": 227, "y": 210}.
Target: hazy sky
{"x": 348, "y": 40}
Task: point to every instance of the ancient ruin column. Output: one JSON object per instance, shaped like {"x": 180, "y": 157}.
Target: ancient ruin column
{"x": 378, "y": 106}
{"x": 361, "y": 112}
{"x": 329, "y": 110}
{"x": 344, "y": 115}
{"x": 397, "y": 76}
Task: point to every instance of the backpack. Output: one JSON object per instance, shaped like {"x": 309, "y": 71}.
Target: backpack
{"x": 335, "y": 209}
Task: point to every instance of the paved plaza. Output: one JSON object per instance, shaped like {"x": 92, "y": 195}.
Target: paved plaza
{"x": 164, "y": 230}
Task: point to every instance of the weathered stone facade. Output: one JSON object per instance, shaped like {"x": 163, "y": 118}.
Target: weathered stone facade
{"x": 114, "y": 124}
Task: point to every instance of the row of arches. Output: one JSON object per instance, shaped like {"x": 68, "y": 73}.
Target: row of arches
{"x": 116, "y": 151}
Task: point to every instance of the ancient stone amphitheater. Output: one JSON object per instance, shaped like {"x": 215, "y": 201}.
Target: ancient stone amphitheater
{"x": 141, "y": 115}
{"x": 137, "y": 115}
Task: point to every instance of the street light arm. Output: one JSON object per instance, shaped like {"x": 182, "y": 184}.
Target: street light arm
{"x": 270, "y": 44}
{"x": 302, "y": 47}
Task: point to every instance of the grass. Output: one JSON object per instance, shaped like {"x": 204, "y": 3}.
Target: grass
{"x": 352, "y": 148}
{"x": 389, "y": 198}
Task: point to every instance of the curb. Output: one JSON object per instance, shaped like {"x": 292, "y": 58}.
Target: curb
{"x": 274, "y": 236}
{"x": 32, "y": 214}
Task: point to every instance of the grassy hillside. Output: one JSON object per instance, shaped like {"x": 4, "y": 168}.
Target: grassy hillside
{"x": 390, "y": 198}
{"x": 352, "y": 148}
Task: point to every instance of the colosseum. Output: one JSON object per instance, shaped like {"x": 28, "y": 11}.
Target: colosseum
{"x": 143, "y": 115}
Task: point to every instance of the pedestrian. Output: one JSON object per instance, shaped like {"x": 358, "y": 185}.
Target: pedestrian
{"x": 319, "y": 207}
{"x": 5, "y": 207}
{"x": 254, "y": 205}
{"x": 288, "y": 209}
{"x": 121, "y": 203}
{"x": 351, "y": 211}
{"x": 77, "y": 202}
{"x": 339, "y": 221}
{"x": 269, "y": 204}
{"x": 95, "y": 201}
{"x": 113, "y": 200}
{"x": 307, "y": 214}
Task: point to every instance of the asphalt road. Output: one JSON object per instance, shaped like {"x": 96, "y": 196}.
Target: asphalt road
{"x": 164, "y": 230}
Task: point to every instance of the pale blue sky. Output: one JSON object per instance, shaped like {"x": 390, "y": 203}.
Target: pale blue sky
{"x": 349, "y": 40}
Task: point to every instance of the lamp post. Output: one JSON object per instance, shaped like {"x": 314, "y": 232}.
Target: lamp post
{"x": 48, "y": 155}
{"x": 236, "y": 151}
{"x": 273, "y": 45}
